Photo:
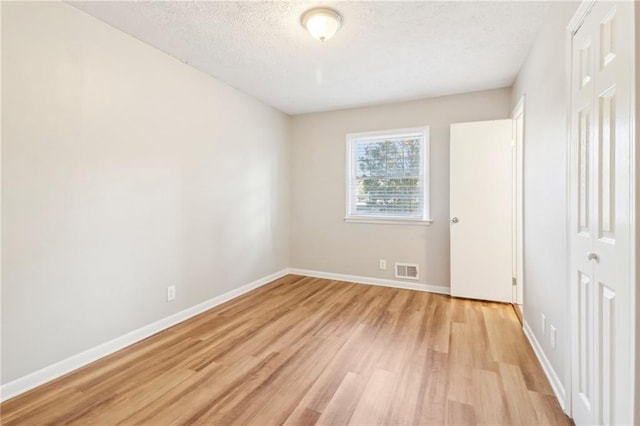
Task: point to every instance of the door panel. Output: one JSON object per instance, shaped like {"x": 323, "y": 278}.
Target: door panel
{"x": 612, "y": 86}
{"x": 581, "y": 227}
{"x": 481, "y": 190}
{"x": 585, "y": 340}
{"x": 606, "y": 306}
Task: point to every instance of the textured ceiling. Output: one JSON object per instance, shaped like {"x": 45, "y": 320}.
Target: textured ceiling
{"x": 384, "y": 52}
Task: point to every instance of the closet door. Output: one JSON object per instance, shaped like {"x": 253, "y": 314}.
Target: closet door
{"x": 582, "y": 226}
{"x": 600, "y": 212}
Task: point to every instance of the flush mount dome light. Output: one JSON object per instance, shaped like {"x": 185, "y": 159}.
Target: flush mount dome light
{"x": 321, "y": 23}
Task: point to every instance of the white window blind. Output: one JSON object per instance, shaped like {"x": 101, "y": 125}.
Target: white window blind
{"x": 387, "y": 175}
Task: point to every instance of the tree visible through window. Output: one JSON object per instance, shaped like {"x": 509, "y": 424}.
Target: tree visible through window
{"x": 387, "y": 175}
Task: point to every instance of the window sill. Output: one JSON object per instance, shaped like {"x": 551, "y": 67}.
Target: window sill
{"x": 388, "y": 221}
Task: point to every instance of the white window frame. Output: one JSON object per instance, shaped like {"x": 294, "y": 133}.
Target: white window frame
{"x": 352, "y": 139}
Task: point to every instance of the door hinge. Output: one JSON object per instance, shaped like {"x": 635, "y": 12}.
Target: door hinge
{"x": 514, "y": 281}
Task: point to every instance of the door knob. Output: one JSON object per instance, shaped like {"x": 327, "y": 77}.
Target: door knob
{"x": 593, "y": 256}
{"x": 454, "y": 219}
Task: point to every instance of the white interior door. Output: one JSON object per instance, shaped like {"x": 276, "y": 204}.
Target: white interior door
{"x": 602, "y": 305}
{"x": 481, "y": 211}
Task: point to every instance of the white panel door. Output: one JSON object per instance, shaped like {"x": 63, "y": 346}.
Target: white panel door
{"x": 480, "y": 208}
{"x": 600, "y": 216}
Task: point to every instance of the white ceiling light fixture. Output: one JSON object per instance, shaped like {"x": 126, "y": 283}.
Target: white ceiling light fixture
{"x": 322, "y": 23}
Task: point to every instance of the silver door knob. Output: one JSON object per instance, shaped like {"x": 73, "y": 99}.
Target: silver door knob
{"x": 454, "y": 220}
{"x": 592, "y": 256}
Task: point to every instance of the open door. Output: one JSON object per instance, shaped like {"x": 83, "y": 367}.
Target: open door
{"x": 481, "y": 210}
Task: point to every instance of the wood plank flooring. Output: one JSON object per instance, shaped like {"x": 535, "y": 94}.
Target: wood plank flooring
{"x": 302, "y": 351}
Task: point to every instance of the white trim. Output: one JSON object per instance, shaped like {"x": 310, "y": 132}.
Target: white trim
{"x": 439, "y": 289}
{"x": 518, "y": 201}
{"x": 399, "y": 133}
{"x": 553, "y": 378}
{"x": 74, "y": 362}
{"x": 634, "y": 156}
{"x": 387, "y": 221}
{"x": 568, "y": 365}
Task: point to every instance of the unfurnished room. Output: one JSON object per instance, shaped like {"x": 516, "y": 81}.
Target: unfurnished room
{"x": 319, "y": 212}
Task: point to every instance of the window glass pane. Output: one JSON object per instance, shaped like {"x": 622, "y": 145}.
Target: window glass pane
{"x": 387, "y": 177}
{"x": 392, "y": 197}
{"x": 399, "y": 157}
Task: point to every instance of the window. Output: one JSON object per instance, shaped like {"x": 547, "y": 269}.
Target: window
{"x": 387, "y": 176}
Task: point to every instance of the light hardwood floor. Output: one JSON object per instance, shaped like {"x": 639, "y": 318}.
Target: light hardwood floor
{"x": 304, "y": 350}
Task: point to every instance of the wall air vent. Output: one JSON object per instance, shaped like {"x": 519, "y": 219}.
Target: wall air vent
{"x": 407, "y": 271}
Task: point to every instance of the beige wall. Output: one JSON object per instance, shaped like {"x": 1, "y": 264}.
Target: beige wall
{"x": 542, "y": 81}
{"x": 322, "y": 241}
{"x": 124, "y": 171}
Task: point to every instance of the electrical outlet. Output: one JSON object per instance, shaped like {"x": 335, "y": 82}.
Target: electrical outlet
{"x": 552, "y": 337}
{"x": 543, "y": 324}
{"x": 383, "y": 264}
{"x": 171, "y": 293}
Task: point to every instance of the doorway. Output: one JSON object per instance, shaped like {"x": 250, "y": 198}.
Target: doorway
{"x": 517, "y": 264}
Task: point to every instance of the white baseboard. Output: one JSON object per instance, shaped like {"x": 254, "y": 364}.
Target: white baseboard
{"x": 555, "y": 381}
{"x": 372, "y": 281}
{"x": 68, "y": 365}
